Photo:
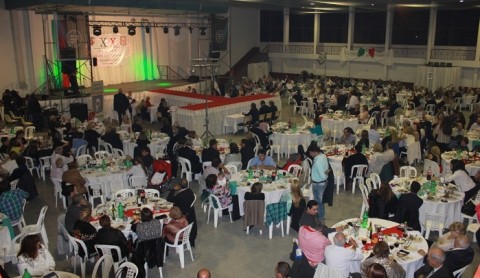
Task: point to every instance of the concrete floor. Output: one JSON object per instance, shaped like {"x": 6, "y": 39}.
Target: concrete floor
{"x": 226, "y": 251}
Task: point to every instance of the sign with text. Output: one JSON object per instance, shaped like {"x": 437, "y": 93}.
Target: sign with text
{"x": 110, "y": 49}
{"x": 97, "y": 96}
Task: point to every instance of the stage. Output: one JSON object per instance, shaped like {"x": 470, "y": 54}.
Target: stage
{"x": 188, "y": 109}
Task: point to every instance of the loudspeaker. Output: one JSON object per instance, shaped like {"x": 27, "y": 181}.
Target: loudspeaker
{"x": 68, "y": 53}
{"x": 79, "y": 111}
{"x": 193, "y": 79}
{"x": 95, "y": 62}
{"x": 69, "y": 67}
{"x": 214, "y": 54}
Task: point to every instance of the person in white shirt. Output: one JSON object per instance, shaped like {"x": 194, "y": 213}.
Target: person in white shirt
{"x": 462, "y": 179}
{"x": 353, "y": 101}
{"x": 339, "y": 258}
{"x": 373, "y": 135}
{"x": 137, "y": 169}
{"x": 476, "y": 126}
{"x": 379, "y": 159}
{"x": 34, "y": 257}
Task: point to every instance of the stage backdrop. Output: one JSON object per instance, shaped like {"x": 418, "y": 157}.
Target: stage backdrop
{"x": 435, "y": 77}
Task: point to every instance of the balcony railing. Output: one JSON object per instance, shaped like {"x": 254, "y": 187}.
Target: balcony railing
{"x": 453, "y": 54}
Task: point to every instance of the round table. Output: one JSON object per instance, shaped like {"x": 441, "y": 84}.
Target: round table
{"x": 450, "y": 206}
{"x": 273, "y": 191}
{"x": 337, "y": 124}
{"x": 60, "y": 274}
{"x": 156, "y": 145}
{"x": 111, "y": 180}
{"x": 472, "y": 165}
{"x": 290, "y": 138}
{"x": 410, "y": 263}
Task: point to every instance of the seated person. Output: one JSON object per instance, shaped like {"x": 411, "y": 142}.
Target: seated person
{"x": 246, "y": 152}
{"x": 355, "y": 159}
{"x": 91, "y": 136}
{"x": 34, "y": 257}
{"x": 408, "y": 205}
{"x": 211, "y": 152}
{"x": 9, "y": 164}
{"x": 380, "y": 158}
{"x": 340, "y": 258}
{"x": 84, "y": 231}
{"x": 381, "y": 255}
{"x": 221, "y": 191}
{"x": 436, "y": 263}
{"x": 282, "y": 270}
{"x": 313, "y": 242}
{"x": 462, "y": 179}
{"x": 310, "y": 218}
{"x": 176, "y": 223}
{"x": 5, "y": 145}
{"x": 190, "y": 154}
{"x": 26, "y": 181}
{"x": 73, "y": 211}
{"x": 262, "y": 136}
{"x": 446, "y": 241}
{"x": 113, "y": 138}
{"x": 460, "y": 255}
{"x": 216, "y": 168}
{"x": 256, "y": 192}
{"x": 73, "y": 176}
{"x": 382, "y": 202}
{"x": 262, "y": 161}
{"x": 147, "y": 160}
{"x": 11, "y": 200}
{"x": 348, "y": 137}
{"x": 317, "y": 129}
{"x": 111, "y": 236}
{"x": 146, "y": 227}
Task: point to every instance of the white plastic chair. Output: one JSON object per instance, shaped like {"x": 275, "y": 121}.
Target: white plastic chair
{"x": 359, "y": 171}
{"x": 408, "y": 172}
{"x": 29, "y": 132}
{"x": 433, "y": 166}
{"x": 458, "y": 273}
{"x": 20, "y": 222}
{"x": 39, "y": 227}
{"x": 31, "y": 166}
{"x": 180, "y": 243}
{"x": 106, "y": 147}
{"x": 306, "y": 164}
{"x": 217, "y": 210}
{"x": 249, "y": 163}
{"x": 384, "y": 117}
{"x": 136, "y": 182}
{"x": 295, "y": 170}
{"x": 370, "y": 185}
{"x": 434, "y": 222}
{"x": 150, "y": 192}
{"x": 186, "y": 168}
{"x": 376, "y": 179}
{"x": 124, "y": 194}
{"x": 106, "y": 262}
{"x": 57, "y": 192}
{"x": 473, "y": 228}
{"x": 365, "y": 206}
{"x": 76, "y": 244}
{"x": 96, "y": 193}
{"x": 131, "y": 270}
{"x": 231, "y": 168}
{"x": 44, "y": 165}
{"x": 117, "y": 152}
{"x": 84, "y": 159}
{"x": 81, "y": 150}
{"x": 10, "y": 253}
{"x": 471, "y": 219}
{"x": 101, "y": 155}
{"x": 108, "y": 249}
{"x": 430, "y": 109}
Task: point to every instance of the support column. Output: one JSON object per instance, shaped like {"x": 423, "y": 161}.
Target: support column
{"x": 388, "y": 36}
{"x": 477, "y": 59}
{"x": 316, "y": 37}
{"x": 431, "y": 31}
{"x": 286, "y": 31}
{"x": 351, "y": 27}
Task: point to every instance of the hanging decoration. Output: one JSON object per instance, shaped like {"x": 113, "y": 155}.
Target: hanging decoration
{"x": 361, "y": 52}
{"x": 371, "y": 52}
{"x": 385, "y": 58}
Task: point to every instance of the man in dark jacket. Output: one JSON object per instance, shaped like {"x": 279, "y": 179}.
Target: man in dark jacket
{"x": 209, "y": 154}
{"x": 435, "y": 267}
{"x": 408, "y": 206}
{"x": 254, "y": 113}
{"x": 352, "y": 160}
{"x": 190, "y": 154}
{"x": 246, "y": 152}
{"x": 120, "y": 104}
{"x": 183, "y": 197}
{"x": 111, "y": 236}
{"x": 113, "y": 138}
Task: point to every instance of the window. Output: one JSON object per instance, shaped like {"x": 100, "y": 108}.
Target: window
{"x": 301, "y": 27}
{"x": 457, "y": 28}
{"x": 334, "y": 27}
{"x": 369, "y": 27}
{"x": 410, "y": 27}
{"x": 271, "y": 26}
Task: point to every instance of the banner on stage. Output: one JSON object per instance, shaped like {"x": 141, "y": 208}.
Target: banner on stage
{"x": 110, "y": 49}
{"x": 219, "y": 33}
{"x": 97, "y": 96}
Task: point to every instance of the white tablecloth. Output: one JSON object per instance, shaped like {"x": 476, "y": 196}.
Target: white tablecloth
{"x": 413, "y": 262}
{"x": 472, "y": 168}
{"x": 451, "y": 208}
{"x": 111, "y": 181}
{"x": 286, "y": 139}
{"x": 232, "y": 121}
{"x": 156, "y": 145}
{"x": 60, "y": 274}
{"x": 272, "y": 192}
{"x": 338, "y": 125}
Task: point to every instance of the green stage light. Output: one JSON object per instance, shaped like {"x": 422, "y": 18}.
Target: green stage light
{"x": 164, "y": 84}
{"x": 109, "y": 91}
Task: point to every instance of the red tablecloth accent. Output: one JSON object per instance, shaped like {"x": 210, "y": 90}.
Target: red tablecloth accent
{"x": 130, "y": 213}
{"x": 213, "y": 101}
{"x": 389, "y": 231}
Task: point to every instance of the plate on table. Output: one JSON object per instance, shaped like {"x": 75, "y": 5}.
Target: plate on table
{"x": 154, "y": 199}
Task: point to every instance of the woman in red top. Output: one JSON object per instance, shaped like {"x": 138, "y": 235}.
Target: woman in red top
{"x": 177, "y": 222}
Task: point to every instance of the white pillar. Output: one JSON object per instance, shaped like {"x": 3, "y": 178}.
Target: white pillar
{"x": 431, "y": 31}
{"x": 286, "y": 26}
{"x": 351, "y": 27}
{"x": 388, "y": 36}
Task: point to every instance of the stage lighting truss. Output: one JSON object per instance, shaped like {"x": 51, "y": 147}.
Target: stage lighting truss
{"x": 147, "y": 25}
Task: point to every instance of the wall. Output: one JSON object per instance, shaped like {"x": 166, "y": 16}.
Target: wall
{"x": 8, "y": 68}
{"x": 245, "y": 32}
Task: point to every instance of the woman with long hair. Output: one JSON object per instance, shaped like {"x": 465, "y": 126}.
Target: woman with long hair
{"x": 234, "y": 155}
{"x": 382, "y": 202}
{"x": 298, "y": 203}
{"x": 256, "y": 192}
{"x": 381, "y": 255}
{"x": 137, "y": 169}
{"x": 446, "y": 242}
{"x": 221, "y": 191}
{"x": 462, "y": 179}
{"x": 34, "y": 256}
{"x": 376, "y": 271}
{"x": 442, "y": 131}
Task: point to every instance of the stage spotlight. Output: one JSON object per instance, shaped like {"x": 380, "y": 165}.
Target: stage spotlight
{"x": 176, "y": 30}
{"x": 115, "y": 29}
{"x": 97, "y": 30}
{"x": 190, "y": 29}
{"x": 192, "y": 70}
{"x": 202, "y": 31}
{"x": 165, "y": 30}
{"x": 131, "y": 30}
{"x": 147, "y": 29}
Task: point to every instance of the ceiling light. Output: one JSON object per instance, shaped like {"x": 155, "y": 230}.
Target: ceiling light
{"x": 373, "y": 4}
{"x": 202, "y": 31}
{"x": 97, "y": 30}
{"x": 176, "y": 30}
{"x": 131, "y": 30}
{"x": 115, "y": 29}
{"x": 147, "y": 29}
{"x": 165, "y": 30}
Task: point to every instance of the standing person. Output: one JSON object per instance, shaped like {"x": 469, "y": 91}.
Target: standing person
{"x": 253, "y": 112}
{"x": 246, "y": 152}
{"x": 120, "y": 104}
{"x": 319, "y": 178}
{"x": 131, "y": 101}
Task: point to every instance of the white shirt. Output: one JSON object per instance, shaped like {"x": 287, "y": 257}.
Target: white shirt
{"x": 340, "y": 258}
{"x": 136, "y": 171}
{"x": 373, "y": 136}
{"x": 378, "y": 160}
{"x": 353, "y": 102}
{"x": 462, "y": 180}
{"x": 43, "y": 263}
{"x": 475, "y": 127}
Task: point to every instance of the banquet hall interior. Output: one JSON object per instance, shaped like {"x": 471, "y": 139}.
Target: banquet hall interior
{"x": 163, "y": 50}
